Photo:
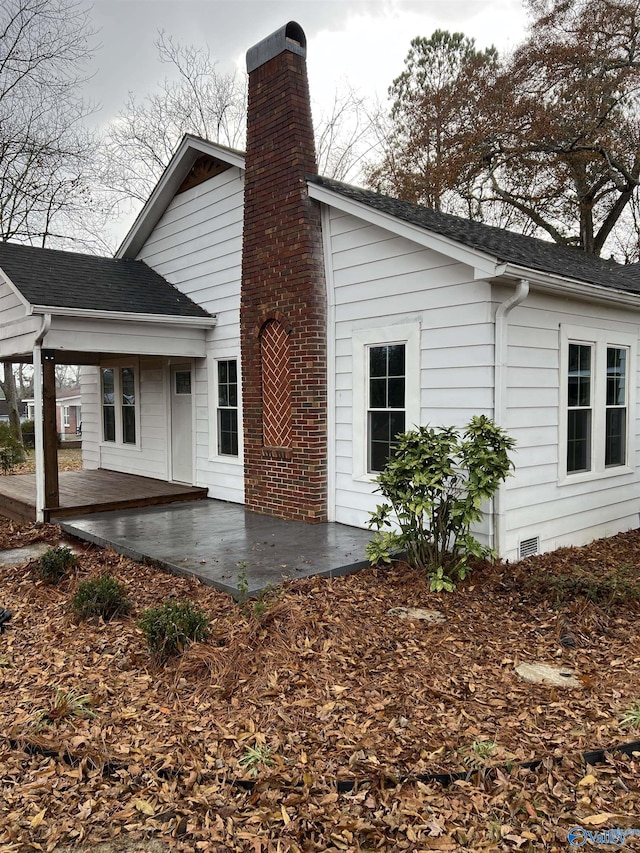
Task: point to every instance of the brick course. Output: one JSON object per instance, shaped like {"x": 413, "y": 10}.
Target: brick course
{"x": 283, "y": 285}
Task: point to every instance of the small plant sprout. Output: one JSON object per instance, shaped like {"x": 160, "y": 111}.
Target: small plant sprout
{"x": 65, "y": 705}
{"x": 483, "y": 748}
{"x": 631, "y": 717}
{"x": 254, "y": 757}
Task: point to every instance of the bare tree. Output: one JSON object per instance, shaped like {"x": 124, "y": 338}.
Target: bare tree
{"x": 46, "y": 151}
{"x": 197, "y": 99}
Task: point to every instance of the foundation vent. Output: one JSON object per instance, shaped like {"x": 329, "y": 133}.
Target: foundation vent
{"x": 529, "y": 547}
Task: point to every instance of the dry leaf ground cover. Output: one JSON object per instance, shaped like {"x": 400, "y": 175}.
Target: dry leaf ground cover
{"x": 69, "y": 459}
{"x": 241, "y": 743}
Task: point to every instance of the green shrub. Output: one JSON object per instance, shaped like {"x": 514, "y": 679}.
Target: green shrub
{"x": 103, "y": 596}
{"x": 55, "y": 564}
{"x": 434, "y": 485}
{"x": 29, "y": 434}
{"x": 172, "y": 626}
{"x": 11, "y": 451}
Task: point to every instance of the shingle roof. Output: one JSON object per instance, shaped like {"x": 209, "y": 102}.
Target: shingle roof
{"x": 506, "y": 246}
{"x": 57, "y": 279}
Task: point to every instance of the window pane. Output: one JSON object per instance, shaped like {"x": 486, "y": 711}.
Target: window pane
{"x": 378, "y": 361}
{"x": 377, "y": 393}
{"x": 579, "y": 440}
{"x": 128, "y": 425}
{"x": 233, "y": 371}
{"x": 108, "y": 386}
{"x": 396, "y": 393}
{"x": 616, "y": 437}
{"x": 616, "y": 376}
{"x": 396, "y": 360}
{"x": 223, "y": 372}
{"x": 128, "y": 387}
{"x": 228, "y": 432}
{"x": 183, "y": 381}
{"x": 579, "y": 375}
{"x": 109, "y": 423}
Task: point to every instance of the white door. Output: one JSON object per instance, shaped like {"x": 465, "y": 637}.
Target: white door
{"x": 181, "y": 425}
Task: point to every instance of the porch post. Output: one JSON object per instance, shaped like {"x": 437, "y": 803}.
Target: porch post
{"x": 38, "y": 431}
{"x": 50, "y": 444}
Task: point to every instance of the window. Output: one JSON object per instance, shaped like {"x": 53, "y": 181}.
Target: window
{"x": 386, "y": 393}
{"x": 227, "y": 419}
{"x": 597, "y": 402}
{"x": 119, "y": 405}
{"x": 66, "y": 416}
{"x": 386, "y": 410}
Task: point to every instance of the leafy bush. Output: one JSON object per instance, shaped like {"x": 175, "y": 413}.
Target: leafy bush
{"x": 434, "y": 485}
{"x": 55, "y": 564}
{"x": 172, "y": 626}
{"x": 103, "y": 596}
{"x": 11, "y": 451}
{"x": 29, "y": 433}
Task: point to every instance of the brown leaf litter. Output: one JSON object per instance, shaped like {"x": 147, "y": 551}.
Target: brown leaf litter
{"x": 238, "y": 745}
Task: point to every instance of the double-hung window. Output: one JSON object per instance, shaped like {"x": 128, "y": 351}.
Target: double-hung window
{"x": 227, "y": 408}
{"x": 597, "y": 401}
{"x": 386, "y": 416}
{"x": 386, "y": 393}
{"x": 119, "y": 404}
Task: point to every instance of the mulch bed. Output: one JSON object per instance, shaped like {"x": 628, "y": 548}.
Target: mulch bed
{"x": 337, "y": 689}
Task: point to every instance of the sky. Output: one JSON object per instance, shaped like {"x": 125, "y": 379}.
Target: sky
{"x": 362, "y": 42}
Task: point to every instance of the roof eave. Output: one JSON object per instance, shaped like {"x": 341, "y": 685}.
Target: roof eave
{"x": 563, "y": 286}
{"x": 190, "y": 148}
{"x": 128, "y": 316}
{"x": 483, "y": 263}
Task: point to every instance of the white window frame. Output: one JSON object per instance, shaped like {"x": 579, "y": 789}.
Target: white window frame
{"x": 214, "y": 456}
{"x": 600, "y": 340}
{"x": 66, "y": 416}
{"x": 117, "y": 367}
{"x": 363, "y": 339}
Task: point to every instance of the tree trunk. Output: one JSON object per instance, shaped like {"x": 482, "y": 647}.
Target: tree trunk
{"x": 11, "y": 395}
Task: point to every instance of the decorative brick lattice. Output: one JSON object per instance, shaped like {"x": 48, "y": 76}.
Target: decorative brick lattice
{"x": 276, "y": 385}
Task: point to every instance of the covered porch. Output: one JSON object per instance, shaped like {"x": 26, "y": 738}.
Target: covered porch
{"x": 65, "y": 308}
{"x": 84, "y": 492}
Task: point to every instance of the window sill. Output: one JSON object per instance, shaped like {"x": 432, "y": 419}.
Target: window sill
{"x": 591, "y": 476}
{"x": 221, "y": 458}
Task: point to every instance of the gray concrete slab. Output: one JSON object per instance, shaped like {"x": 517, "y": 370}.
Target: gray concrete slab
{"x": 218, "y": 541}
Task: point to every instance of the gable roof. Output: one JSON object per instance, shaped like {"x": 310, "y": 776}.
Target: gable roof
{"x": 505, "y": 246}
{"x": 50, "y": 278}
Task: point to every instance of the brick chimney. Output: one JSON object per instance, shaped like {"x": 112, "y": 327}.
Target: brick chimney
{"x": 283, "y": 297}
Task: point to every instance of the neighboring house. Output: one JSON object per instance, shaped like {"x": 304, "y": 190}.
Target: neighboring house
{"x": 4, "y": 410}
{"x": 68, "y": 413}
{"x": 265, "y": 333}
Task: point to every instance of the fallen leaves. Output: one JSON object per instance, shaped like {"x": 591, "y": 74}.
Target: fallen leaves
{"x": 332, "y": 688}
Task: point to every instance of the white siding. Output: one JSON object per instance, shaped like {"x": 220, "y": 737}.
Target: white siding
{"x": 381, "y": 281}
{"x": 91, "y": 422}
{"x": 11, "y": 308}
{"x": 538, "y": 503}
{"x": 197, "y": 246}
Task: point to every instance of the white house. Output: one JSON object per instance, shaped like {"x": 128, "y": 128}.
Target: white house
{"x": 265, "y": 332}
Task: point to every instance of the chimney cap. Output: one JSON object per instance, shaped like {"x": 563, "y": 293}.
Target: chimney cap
{"x": 290, "y": 37}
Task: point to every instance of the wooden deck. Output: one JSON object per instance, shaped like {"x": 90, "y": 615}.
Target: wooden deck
{"x": 83, "y": 492}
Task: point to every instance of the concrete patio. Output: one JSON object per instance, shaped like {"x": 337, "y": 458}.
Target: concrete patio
{"x": 218, "y": 542}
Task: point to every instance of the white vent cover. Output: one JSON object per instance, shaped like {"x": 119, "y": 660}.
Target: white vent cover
{"x": 529, "y": 547}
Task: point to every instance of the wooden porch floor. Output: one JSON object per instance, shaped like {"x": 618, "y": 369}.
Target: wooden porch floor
{"x": 83, "y": 492}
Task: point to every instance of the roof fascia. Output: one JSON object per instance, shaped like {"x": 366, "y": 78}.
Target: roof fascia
{"x": 128, "y": 316}
{"x": 15, "y": 290}
{"x": 483, "y": 264}
{"x": 190, "y": 148}
{"x": 563, "y": 286}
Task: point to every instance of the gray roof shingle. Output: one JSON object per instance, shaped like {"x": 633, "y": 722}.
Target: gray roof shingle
{"x": 58, "y": 279}
{"x": 506, "y": 246}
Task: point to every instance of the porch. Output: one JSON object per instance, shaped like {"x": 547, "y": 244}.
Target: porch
{"x": 83, "y": 492}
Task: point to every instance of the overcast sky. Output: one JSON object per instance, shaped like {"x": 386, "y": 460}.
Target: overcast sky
{"x": 362, "y": 41}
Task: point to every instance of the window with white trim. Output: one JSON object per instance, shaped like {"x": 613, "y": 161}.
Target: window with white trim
{"x": 227, "y": 407}
{"x": 119, "y": 404}
{"x": 597, "y": 401}
{"x": 386, "y": 415}
{"x": 386, "y": 393}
